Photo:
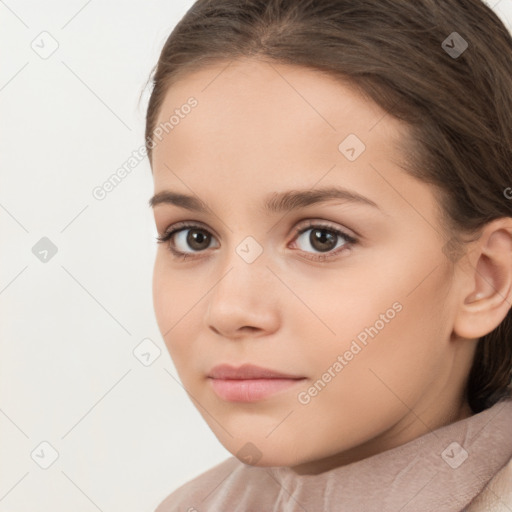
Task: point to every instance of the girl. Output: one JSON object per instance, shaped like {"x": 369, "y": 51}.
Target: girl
{"x": 334, "y": 277}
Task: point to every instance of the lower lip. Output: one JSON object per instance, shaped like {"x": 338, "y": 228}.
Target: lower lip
{"x": 250, "y": 390}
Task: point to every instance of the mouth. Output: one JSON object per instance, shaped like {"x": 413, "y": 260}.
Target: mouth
{"x": 249, "y": 383}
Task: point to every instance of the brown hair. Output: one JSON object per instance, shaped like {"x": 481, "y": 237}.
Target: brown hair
{"x": 458, "y": 107}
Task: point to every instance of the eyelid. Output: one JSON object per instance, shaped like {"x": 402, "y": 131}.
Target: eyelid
{"x": 326, "y": 224}
{"x": 316, "y": 222}
{"x": 177, "y": 226}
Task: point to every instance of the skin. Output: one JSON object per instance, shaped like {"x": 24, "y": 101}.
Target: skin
{"x": 261, "y": 128}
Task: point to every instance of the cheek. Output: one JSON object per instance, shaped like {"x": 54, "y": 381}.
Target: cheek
{"x": 385, "y": 321}
{"x": 399, "y": 351}
{"x": 386, "y": 374}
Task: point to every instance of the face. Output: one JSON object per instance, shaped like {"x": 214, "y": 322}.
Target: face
{"x": 315, "y": 255}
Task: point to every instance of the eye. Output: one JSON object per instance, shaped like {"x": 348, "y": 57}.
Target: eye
{"x": 192, "y": 235}
{"x": 324, "y": 238}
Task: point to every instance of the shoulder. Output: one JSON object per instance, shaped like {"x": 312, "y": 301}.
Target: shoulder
{"x": 191, "y": 496}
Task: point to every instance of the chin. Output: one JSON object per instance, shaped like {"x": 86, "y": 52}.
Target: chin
{"x": 264, "y": 453}
{"x": 265, "y": 461}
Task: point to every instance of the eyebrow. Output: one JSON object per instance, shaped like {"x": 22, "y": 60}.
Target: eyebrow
{"x": 276, "y": 203}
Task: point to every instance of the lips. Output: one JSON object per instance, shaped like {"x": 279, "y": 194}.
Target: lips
{"x": 249, "y": 383}
{"x": 247, "y": 371}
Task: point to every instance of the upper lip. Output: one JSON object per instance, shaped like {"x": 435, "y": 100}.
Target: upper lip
{"x": 247, "y": 371}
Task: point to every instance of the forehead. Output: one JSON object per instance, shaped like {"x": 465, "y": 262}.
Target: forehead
{"x": 245, "y": 103}
{"x": 259, "y": 125}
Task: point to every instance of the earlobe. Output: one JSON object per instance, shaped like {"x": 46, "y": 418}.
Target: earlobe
{"x": 489, "y": 281}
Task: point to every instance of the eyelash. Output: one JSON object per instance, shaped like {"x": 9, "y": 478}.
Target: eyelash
{"x": 180, "y": 226}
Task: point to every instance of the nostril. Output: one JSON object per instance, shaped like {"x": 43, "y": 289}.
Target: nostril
{"x": 249, "y": 327}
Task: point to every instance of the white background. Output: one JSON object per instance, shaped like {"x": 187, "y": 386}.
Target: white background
{"x": 126, "y": 434}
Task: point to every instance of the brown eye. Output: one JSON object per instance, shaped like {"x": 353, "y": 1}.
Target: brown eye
{"x": 187, "y": 239}
{"x": 196, "y": 239}
{"x": 327, "y": 241}
{"x": 322, "y": 240}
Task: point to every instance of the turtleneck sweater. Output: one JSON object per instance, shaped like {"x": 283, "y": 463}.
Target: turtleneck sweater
{"x": 442, "y": 470}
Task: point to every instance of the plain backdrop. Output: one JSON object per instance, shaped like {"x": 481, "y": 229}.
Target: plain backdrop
{"x": 92, "y": 416}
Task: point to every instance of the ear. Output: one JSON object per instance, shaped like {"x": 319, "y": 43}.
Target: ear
{"x": 487, "y": 281}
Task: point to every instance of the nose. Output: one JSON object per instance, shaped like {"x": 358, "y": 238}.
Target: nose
{"x": 245, "y": 301}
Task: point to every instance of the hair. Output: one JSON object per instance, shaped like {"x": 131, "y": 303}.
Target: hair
{"x": 457, "y": 108}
